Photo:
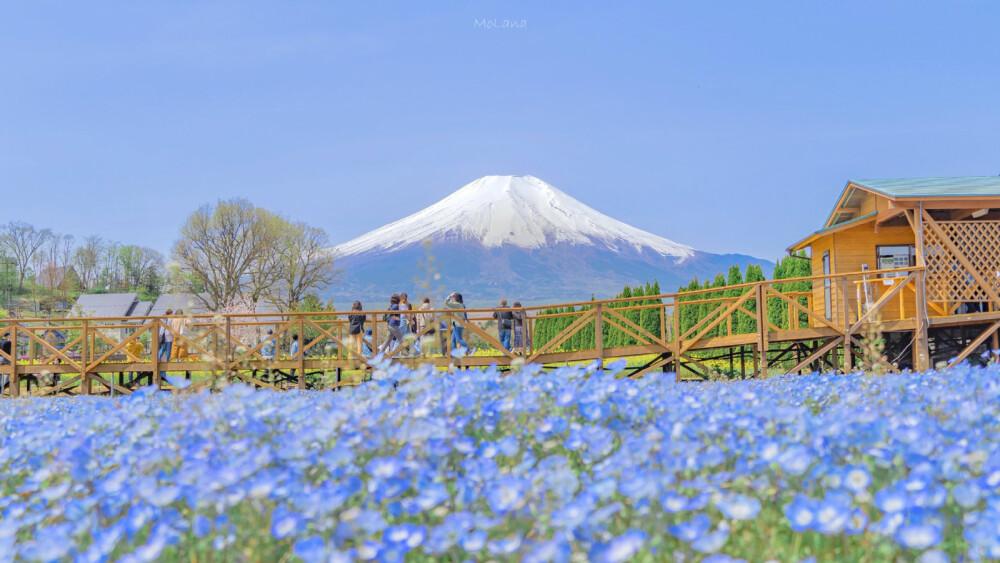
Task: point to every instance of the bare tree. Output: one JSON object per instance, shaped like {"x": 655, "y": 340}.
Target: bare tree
{"x": 266, "y": 271}
{"x": 23, "y": 241}
{"x": 219, "y": 248}
{"x": 52, "y": 261}
{"x": 304, "y": 264}
{"x": 87, "y": 261}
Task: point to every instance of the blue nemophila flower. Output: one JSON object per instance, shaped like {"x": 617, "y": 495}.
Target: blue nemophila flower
{"x": 856, "y": 479}
{"x": 311, "y": 549}
{"x": 802, "y": 513}
{"x": 918, "y": 535}
{"x": 693, "y": 529}
{"x": 507, "y": 494}
{"x": 967, "y": 494}
{"x": 284, "y": 523}
{"x": 551, "y": 551}
{"x": 892, "y": 499}
{"x": 933, "y": 556}
{"x": 504, "y": 546}
{"x": 408, "y": 535}
{"x": 795, "y": 460}
{"x": 619, "y": 549}
{"x": 738, "y": 507}
{"x": 712, "y": 541}
{"x": 474, "y": 541}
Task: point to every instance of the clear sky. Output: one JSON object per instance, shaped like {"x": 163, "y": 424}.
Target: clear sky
{"x": 729, "y": 126}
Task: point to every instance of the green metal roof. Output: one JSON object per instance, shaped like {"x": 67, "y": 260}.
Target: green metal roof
{"x": 962, "y": 186}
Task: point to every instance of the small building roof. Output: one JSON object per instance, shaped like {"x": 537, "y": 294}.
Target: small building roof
{"x": 141, "y": 309}
{"x": 188, "y": 302}
{"x": 961, "y": 186}
{"x": 104, "y": 305}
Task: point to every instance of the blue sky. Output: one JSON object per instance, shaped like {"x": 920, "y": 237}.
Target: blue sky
{"x": 727, "y": 126}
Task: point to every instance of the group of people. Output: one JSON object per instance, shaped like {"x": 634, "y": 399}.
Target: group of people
{"x": 412, "y": 328}
{"x": 510, "y": 325}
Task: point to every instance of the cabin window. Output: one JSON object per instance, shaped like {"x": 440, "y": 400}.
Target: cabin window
{"x": 895, "y": 256}
{"x": 827, "y": 286}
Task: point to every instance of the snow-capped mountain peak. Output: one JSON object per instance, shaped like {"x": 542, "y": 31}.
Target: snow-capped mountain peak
{"x": 517, "y": 211}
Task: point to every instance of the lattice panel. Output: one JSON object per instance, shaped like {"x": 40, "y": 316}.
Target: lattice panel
{"x": 947, "y": 279}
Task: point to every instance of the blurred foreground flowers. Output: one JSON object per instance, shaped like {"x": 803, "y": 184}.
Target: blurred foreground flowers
{"x": 574, "y": 464}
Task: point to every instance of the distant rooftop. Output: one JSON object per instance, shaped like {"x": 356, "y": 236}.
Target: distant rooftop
{"x": 961, "y": 186}
{"x": 105, "y": 305}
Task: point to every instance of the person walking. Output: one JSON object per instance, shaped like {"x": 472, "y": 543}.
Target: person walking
{"x": 455, "y": 301}
{"x": 267, "y": 352}
{"x": 293, "y": 352}
{"x": 405, "y": 320}
{"x": 392, "y": 321}
{"x": 505, "y": 319}
{"x": 166, "y": 340}
{"x": 520, "y": 343}
{"x": 424, "y": 320}
{"x": 179, "y": 325}
{"x": 356, "y": 328}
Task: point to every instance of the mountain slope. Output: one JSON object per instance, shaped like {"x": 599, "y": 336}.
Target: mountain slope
{"x": 515, "y": 237}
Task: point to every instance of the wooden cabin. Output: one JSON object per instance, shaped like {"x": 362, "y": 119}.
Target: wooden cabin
{"x": 946, "y": 229}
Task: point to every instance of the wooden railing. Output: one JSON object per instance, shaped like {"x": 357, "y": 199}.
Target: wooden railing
{"x": 83, "y": 355}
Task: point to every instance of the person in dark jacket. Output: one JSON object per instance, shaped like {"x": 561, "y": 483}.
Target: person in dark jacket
{"x": 520, "y": 343}
{"x": 356, "y": 327}
{"x": 455, "y": 301}
{"x": 392, "y": 321}
{"x": 505, "y": 320}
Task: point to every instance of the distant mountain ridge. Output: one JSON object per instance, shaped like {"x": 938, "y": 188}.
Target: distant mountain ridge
{"x": 514, "y": 237}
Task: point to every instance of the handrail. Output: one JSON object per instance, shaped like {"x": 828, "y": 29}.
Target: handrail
{"x": 677, "y": 297}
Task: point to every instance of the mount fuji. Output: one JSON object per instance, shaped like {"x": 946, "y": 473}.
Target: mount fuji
{"x": 514, "y": 237}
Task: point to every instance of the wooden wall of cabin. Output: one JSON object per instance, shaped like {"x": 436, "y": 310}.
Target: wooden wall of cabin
{"x": 849, "y": 250}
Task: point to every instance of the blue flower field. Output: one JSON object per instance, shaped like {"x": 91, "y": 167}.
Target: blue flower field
{"x": 570, "y": 465}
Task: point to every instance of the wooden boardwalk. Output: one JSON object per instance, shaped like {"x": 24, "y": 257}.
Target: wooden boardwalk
{"x": 749, "y": 330}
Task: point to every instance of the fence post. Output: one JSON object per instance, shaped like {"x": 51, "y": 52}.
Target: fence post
{"x": 762, "y": 336}
{"x": 599, "y": 334}
{"x": 154, "y": 349}
{"x": 84, "y": 360}
{"x": 663, "y": 322}
{"x": 848, "y": 359}
{"x": 677, "y": 336}
{"x": 302, "y": 354}
{"x": 15, "y": 381}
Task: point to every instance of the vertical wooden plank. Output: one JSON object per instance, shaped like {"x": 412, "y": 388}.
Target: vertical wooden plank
{"x": 848, "y": 359}
{"x": 762, "y": 332}
{"x": 676, "y": 314}
{"x": 154, "y": 338}
{"x": 85, "y": 357}
{"x": 921, "y": 349}
{"x": 450, "y": 327}
{"x": 663, "y": 322}
{"x": 15, "y": 381}
{"x": 229, "y": 344}
{"x": 302, "y": 355}
{"x": 599, "y": 334}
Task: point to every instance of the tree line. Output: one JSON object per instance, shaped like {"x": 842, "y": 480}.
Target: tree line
{"x": 231, "y": 254}
{"x": 646, "y": 310}
{"x": 646, "y": 314}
